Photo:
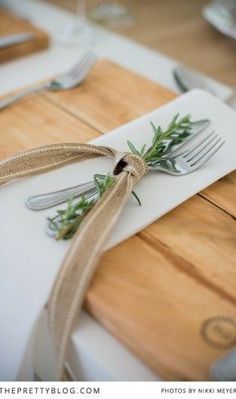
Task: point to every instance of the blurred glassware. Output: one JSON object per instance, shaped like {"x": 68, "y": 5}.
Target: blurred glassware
{"x": 222, "y": 15}
{"x": 78, "y": 32}
{"x": 111, "y": 14}
{"x": 224, "y": 369}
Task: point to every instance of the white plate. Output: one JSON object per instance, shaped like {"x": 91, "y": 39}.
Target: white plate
{"x": 30, "y": 259}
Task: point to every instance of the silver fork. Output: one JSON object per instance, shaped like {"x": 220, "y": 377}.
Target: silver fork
{"x": 176, "y": 164}
{"x": 65, "y": 81}
{"x": 191, "y": 159}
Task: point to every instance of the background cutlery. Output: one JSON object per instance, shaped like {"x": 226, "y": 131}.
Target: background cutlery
{"x": 222, "y": 15}
{"x": 48, "y": 200}
{"x": 66, "y": 81}
{"x": 188, "y": 79}
{"x": 11, "y": 40}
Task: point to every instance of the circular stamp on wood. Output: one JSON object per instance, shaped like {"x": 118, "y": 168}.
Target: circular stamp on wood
{"x": 219, "y": 332}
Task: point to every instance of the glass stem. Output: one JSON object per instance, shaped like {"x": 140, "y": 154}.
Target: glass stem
{"x": 81, "y": 11}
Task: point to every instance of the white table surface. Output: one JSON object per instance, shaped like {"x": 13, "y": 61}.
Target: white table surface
{"x": 95, "y": 354}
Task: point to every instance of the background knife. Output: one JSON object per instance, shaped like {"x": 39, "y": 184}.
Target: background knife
{"x": 188, "y": 79}
{"x": 11, "y": 40}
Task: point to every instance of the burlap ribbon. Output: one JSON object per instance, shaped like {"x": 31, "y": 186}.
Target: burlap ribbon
{"x": 79, "y": 264}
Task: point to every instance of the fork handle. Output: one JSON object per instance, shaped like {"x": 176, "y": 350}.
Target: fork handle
{"x": 48, "y": 200}
{"x": 12, "y": 98}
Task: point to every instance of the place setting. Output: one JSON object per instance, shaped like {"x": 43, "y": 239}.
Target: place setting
{"x": 19, "y": 37}
{"x": 101, "y": 171}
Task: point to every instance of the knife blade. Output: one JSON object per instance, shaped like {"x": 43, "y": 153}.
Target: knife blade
{"x": 188, "y": 79}
{"x": 11, "y": 40}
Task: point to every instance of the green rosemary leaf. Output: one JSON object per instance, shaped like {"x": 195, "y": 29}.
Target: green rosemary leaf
{"x": 132, "y": 148}
{"x": 96, "y": 181}
{"x": 172, "y": 123}
{"x": 142, "y": 151}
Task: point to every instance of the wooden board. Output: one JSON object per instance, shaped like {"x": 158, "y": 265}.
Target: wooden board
{"x": 12, "y": 24}
{"x": 168, "y": 293}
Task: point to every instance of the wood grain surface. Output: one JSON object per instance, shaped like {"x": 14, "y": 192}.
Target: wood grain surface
{"x": 12, "y": 24}
{"x": 169, "y": 292}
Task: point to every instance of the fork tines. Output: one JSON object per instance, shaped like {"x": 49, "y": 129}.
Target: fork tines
{"x": 78, "y": 72}
{"x": 203, "y": 150}
{"x": 83, "y": 65}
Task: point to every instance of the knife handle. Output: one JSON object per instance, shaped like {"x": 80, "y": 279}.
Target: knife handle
{"x": 48, "y": 200}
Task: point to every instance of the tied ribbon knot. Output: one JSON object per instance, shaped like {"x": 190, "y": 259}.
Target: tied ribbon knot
{"x": 80, "y": 262}
{"x": 131, "y": 163}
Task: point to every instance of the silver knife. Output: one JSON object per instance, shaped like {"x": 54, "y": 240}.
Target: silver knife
{"x": 11, "y": 40}
{"x": 188, "y": 79}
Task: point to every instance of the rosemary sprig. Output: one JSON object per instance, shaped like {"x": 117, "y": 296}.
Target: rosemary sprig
{"x": 163, "y": 140}
{"x": 66, "y": 221}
